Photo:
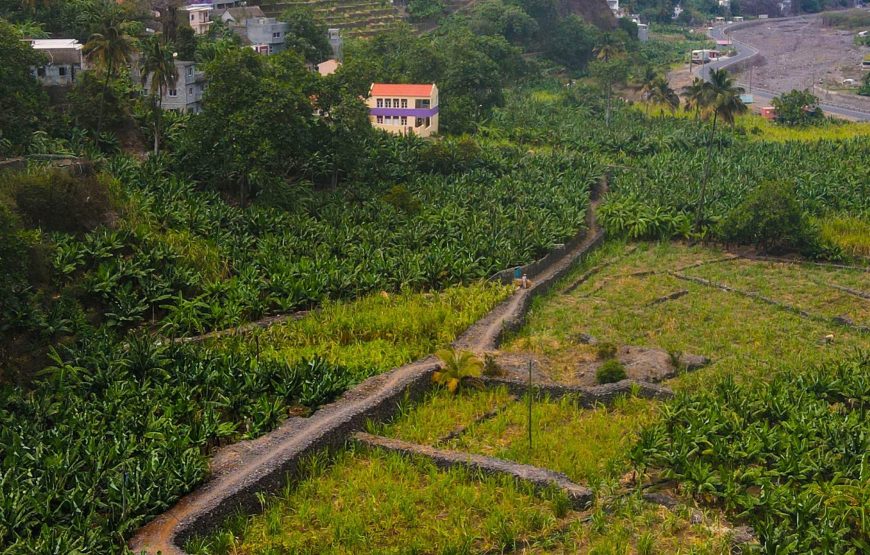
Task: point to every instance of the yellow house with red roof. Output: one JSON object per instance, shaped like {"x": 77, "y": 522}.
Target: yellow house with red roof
{"x": 404, "y": 109}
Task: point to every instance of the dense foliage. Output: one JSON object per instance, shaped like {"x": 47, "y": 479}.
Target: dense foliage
{"x": 788, "y": 456}
{"x": 798, "y": 108}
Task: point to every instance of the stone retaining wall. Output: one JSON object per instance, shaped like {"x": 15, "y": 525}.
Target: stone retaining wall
{"x": 588, "y": 397}
{"x": 541, "y": 478}
{"x": 267, "y": 469}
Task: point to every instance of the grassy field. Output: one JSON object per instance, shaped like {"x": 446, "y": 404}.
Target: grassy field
{"x": 368, "y": 500}
{"x": 374, "y": 333}
{"x": 743, "y": 337}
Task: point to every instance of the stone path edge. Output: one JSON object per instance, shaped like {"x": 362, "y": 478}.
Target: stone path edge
{"x": 580, "y": 496}
{"x": 207, "y": 507}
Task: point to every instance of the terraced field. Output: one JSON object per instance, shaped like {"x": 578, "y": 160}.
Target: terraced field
{"x": 758, "y": 321}
{"x": 356, "y": 18}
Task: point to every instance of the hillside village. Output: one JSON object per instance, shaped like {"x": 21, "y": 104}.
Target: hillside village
{"x": 433, "y": 276}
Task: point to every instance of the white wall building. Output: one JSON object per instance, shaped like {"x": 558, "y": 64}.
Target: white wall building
{"x": 187, "y": 94}
{"x": 64, "y": 60}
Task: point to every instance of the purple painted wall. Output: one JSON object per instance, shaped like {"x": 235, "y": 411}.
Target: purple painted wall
{"x": 409, "y": 112}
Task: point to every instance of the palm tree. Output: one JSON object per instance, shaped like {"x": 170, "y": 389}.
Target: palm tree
{"x": 606, "y": 51}
{"x": 721, "y": 99}
{"x": 662, "y": 94}
{"x": 647, "y": 83}
{"x": 109, "y": 49}
{"x": 459, "y": 367}
{"x": 694, "y": 94}
{"x": 158, "y": 63}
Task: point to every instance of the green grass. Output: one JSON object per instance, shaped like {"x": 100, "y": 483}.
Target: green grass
{"x": 852, "y": 234}
{"x": 743, "y": 337}
{"x": 587, "y": 445}
{"x": 441, "y": 413}
{"x": 378, "y": 332}
{"x": 801, "y": 286}
{"x": 369, "y": 502}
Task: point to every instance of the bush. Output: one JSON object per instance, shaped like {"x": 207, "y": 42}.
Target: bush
{"x": 57, "y": 201}
{"x": 611, "y": 371}
{"x": 798, "y": 108}
{"x": 605, "y": 350}
{"x": 771, "y": 219}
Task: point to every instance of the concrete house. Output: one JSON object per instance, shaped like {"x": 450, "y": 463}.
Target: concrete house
{"x": 187, "y": 94}
{"x": 404, "y": 109}
{"x": 64, "y": 60}
{"x": 265, "y": 35}
{"x": 198, "y": 16}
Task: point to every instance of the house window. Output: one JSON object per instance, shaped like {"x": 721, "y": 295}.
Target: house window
{"x": 276, "y": 35}
{"x": 61, "y": 71}
{"x": 404, "y": 103}
{"x": 270, "y": 49}
{"x": 418, "y": 122}
{"x": 381, "y": 119}
{"x": 193, "y": 17}
{"x": 422, "y": 103}
{"x": 404, "y": 120}
{"x": 190, "y": 90}
{"x": 190, "y": 71}
{"x": 173, "y": 92}
{"x": 388, "y": 103}
{"x": 380, "y": 103}
{"x": 427, "y": 122}
{"x": 40, "y": 71}
{"x": 396, "y": 102}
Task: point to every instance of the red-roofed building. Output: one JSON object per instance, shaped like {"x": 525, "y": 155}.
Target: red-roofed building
{"x": 403, "y": 109}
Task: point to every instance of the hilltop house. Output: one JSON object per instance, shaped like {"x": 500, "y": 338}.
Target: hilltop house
{"x": 64, "y": 60}
{"x": 404, "y": 108}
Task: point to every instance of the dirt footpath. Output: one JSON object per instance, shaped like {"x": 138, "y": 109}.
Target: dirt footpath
{"x": 798, "y": 51}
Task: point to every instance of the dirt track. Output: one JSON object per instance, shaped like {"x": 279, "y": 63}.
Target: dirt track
{"x": 797, "y": 51}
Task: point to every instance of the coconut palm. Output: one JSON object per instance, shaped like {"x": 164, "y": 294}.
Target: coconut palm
{"x": 694, "y": 94}
{"x": 109, "y": 49}
{"x": 721, "y": 100}
{"x": 647, "y": 83}
{"x": 158, "y": 63}
{"x": 662, "y": 94}
{"x": 459, "y": 367}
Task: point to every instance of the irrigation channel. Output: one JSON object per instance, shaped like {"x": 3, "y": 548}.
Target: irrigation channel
{"x": 243, "y": 470}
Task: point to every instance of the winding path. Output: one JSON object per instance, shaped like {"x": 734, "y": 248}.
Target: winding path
{"x": 242, "y": 470}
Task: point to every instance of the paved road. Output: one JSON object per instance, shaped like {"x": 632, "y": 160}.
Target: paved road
{"x": 763, "y": 96}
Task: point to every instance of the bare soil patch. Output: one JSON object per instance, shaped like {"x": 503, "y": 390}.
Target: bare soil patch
{"x": 798, "y": 51}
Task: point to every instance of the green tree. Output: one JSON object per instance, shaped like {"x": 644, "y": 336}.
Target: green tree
{"x": 158, "y": 63}
{"x": 647, "y": 83}
{"x": 22, "y": 100}
{"x": 865, "y": 86}
{"x": 721, "y": 100}
{"x": 608, "y": 55}
{"x": 307, "y": 36}
{"x": 662, "y": 94}
{"x": 694, "y": 94}
{"x": 255, "y": 128}
{"x": 798, "y": 108}
{"x": 109, "y": 49}
{"x": 185, "y": 43}
{"x": 571, "y": 42}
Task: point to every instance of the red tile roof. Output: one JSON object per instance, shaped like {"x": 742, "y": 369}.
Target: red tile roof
{"x": 391, "y": 89}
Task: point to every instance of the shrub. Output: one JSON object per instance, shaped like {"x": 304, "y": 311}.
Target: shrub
{"x": 57, "y": 201}
{"x": 771, "y": 219}
{"x": 611, "y": 371}
{"x": 605, "y": 350}
{"x": 401, "y": 199}
{"x": 798, "y": 108}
